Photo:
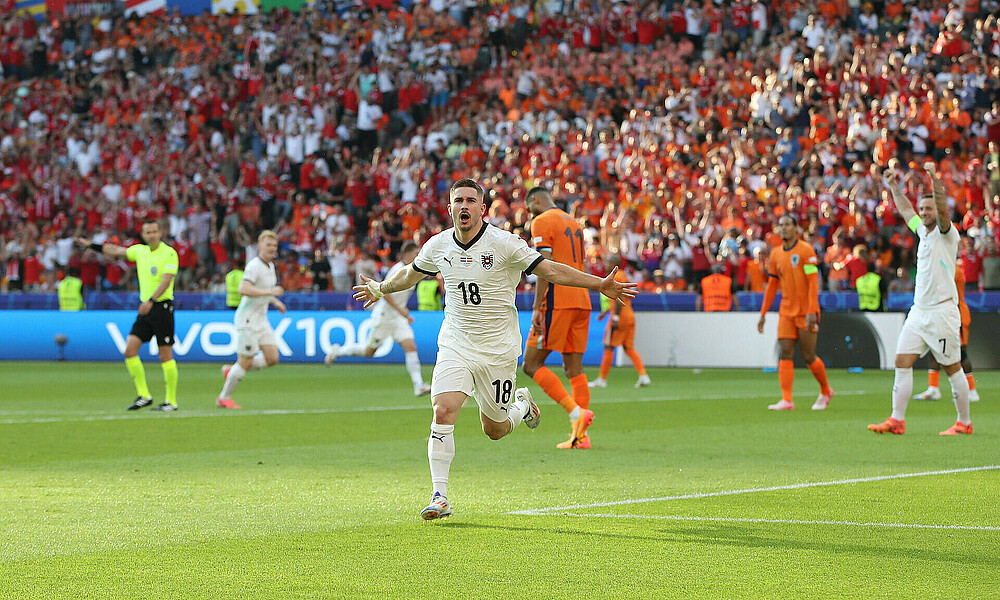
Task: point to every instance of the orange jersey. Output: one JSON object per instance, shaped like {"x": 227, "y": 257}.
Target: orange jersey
{"x": 963, "y": 308}
{"x": 789, "y": 266}
{"x": 559, "y": 233}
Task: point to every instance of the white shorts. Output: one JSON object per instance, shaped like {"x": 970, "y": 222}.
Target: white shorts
{"x": 397, "y": 329}
{"x": 249, "y": 339}
{"x": 935, "y": 329}
{"x": 478, "y": 378}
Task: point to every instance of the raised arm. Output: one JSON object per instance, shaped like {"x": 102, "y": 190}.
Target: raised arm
{"x": 940, "y": 197}
{"x": 903, "y": 206}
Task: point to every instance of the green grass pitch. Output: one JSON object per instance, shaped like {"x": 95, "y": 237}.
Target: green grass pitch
{"x": 692, "y": 490}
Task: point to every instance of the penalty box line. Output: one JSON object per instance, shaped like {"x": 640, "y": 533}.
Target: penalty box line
{"x": 780, "y": 521}
{"x": 794, "y": 486}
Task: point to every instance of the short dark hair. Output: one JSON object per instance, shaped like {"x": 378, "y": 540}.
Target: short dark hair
{"x": 538, "y": 189}
{"x": 788, "y": 215}
{"x": 408, "y": 246}
{"x": 151, "y": 221}
{"x": 466, "y": 182}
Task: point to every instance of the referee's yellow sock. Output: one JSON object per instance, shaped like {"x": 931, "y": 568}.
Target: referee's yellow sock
{"x": 170, "y": 377}
{"x": 134, "y": 366}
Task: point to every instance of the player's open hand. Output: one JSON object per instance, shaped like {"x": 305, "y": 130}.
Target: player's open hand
{"x": 760, "y": 325}
{"x": 368, "y": 292}
{"x": 812, "y": 322}
{"x": 278, "y": 304}
{"x": 617, "y": 290}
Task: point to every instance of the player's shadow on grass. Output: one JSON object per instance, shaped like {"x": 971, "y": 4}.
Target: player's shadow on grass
{"x": 744, "y": 536}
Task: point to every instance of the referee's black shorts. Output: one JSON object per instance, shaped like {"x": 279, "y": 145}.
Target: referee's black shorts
{"x": 159, "y": 321}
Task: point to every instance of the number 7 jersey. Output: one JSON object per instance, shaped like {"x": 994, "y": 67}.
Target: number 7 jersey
{"x": 554, "y": 230}
{"x": 480, "y": 280}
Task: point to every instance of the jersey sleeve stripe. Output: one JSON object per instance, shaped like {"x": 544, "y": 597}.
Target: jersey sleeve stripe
{"x": 540, "y": 248}
{"x": 419, "y": 270}
{"x": 534, "y": 264}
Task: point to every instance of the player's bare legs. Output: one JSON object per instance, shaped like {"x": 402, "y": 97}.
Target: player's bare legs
{"x": 807, "y": 347}
{"x": 268, "y": 357}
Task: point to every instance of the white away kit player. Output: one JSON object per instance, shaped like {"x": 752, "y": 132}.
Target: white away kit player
{"x": 480, "y": 338}
{"x": 391, "y": 319}
{"x": 258, "y": 290}
{"x": 934, "y": 321}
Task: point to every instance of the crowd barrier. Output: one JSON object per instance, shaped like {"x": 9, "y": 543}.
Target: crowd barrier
{"x": 670, "y": 339}
{"x": 674, "y": 301}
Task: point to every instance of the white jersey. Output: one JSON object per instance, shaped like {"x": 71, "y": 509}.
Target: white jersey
{"x": 382, "y": 311}
{"x": 936, "y": 267}
{"x": 480, "y": 280}
{"x": 254, "y": 309}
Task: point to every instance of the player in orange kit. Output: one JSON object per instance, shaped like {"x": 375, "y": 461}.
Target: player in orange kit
{"x": 560, "y": 317}
{"x": 933, "y": 392}
{"x": 620, "y": 331}
{"x": 792, "y": 268}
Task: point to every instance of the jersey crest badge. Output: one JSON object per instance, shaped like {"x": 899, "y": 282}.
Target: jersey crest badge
{"x": 152, "y": 270}
{"x": 794, "y": 259}
{"x": 487, "y": 259}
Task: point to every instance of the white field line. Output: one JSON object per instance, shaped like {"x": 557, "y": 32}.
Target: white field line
{"x": 784, "y": 521}
{"x": 794, "y": 486}
{"x": 83, "y": 416}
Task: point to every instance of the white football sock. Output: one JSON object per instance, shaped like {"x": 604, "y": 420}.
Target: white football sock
{"x": 902, "y": 388}
{"x": 440, "y": 452}
{"x": 960, "y": 394}
{"x": 236, "y": 373}
{"x": 574, "y": 414}
{"x": 518, "y": 410}
{"x": 258, "y": 362}
{"x": 413, "y": 368}
{"x": 351, "y": 350}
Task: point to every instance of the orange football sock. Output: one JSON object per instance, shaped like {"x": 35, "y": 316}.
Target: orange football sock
{"x": 819, "y": 372}
{"x": 550, "y": 384}
{"x": 972, "y": 381}
{"x": 933, "y": 377}
{"x": 786, "y": 375}
{"x": 636, "y": 361}
{"x": 581, "y": 391}
{"x": 606, "y": 360}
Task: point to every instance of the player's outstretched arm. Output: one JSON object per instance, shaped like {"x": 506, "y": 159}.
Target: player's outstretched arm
{"x": 372, "y": 291}
{"x": 561, "y": 274}
{"x": 940, "y": 197}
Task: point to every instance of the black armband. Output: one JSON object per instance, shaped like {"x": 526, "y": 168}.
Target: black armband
{"x": 97, "y": 247}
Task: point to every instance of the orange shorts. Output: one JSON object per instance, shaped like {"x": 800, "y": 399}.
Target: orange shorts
{"x": 788, "y": 327}
{"x": 564, "y": 331}
{"x": 964, "y": 332}
{"x": 622, "y": 335}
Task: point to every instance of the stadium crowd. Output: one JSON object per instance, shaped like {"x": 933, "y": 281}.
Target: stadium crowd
{"x": 677, "y": 132}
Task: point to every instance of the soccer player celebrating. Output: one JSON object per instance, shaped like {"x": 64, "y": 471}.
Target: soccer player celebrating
{"x": 259, "y": 290}
{"x": 933, "y": 392}
{"x": 792, "y": 268}
{"x": 620, "y": 331}
{"x": 934, "y": 321}
{"x": 391, "y": 319}
{"x": 156, "y": 267}
{"x": 560, "y": 317}
{"x": 480, "y": 340}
